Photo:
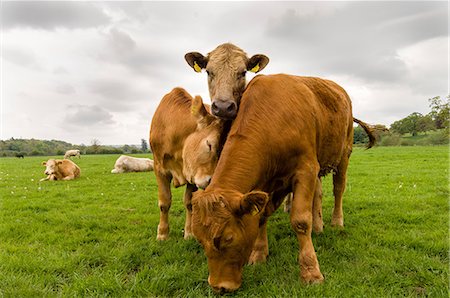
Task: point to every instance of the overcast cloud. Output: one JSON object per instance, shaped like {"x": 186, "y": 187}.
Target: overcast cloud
{"x": 77, "y": 71}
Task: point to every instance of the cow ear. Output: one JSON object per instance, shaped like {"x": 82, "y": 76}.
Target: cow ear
{"x": 254, "y": 202}
{"x": 199, "y": 111}
{"x": 59, "y": 162}
{"x": 257, "y": 63}
{"x": 196, "y": 60}
{"x": 44, "y": 163}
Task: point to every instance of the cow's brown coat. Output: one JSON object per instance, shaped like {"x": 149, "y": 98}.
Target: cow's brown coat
{"x": 290, "y": 130}
{"x": 180, "y": 127}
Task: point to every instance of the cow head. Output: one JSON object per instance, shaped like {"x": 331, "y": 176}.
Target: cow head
{"x": 226, "y": 67}
{"x": 201, "y": 148}
{"x": 51, "y": 166}
{"x": 226, "y": 223}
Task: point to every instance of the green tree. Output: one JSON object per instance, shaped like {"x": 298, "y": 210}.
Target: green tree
{"x": 440, "y": 111}
{"x": 413, "y": 124}
{"x": 144, "y": 146}
{"x": 359, "y": 135}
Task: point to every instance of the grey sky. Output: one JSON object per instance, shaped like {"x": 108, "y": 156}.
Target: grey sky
{"x": 76, "y": 71}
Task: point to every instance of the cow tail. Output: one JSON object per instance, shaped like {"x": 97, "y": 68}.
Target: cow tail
{"x": 369, "y": 131}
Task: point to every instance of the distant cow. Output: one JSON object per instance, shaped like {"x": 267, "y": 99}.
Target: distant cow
{"x": 60, "y": 169}
{"x": 289, "y": 132}
{"x": 126, "y": 164}
{"x": 70, "y": 153}
{"x": 19, "y": 155}
{"x": 226, "y": 67}
{"x": 185, "y": 145}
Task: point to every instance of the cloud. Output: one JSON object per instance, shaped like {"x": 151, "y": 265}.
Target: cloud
{"x": 65, "y": 89}
{"x": 86, "y": 116}
{"x": 361, "y": 38}
{"x": 52, "y": 15}
{"x": 21, "y": 57}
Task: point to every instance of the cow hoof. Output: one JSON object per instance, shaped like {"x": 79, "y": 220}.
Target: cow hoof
{"x": 257, "y": 257}
{"x": 312, "y": 276}
{"x": 188, "y": 236}
{"x": 337, "y": 222}
{"x": 318, "y": 229}
{"x": 162, "y": 237}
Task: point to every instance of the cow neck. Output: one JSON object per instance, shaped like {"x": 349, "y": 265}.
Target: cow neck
{"x": 240, "y": 166}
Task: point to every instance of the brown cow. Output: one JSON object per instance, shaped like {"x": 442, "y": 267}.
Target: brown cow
{"x": 290, "y": 130}
{"x": 60, "y": 169}
{"x": 184, "y": 153}
{"x": 226, "y": 67}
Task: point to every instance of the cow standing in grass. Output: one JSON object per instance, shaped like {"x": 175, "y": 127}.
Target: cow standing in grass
{"x": 226, "y": 67}
{"x": 60, "y": 169}
{"x": 289, "y": 131}
{"x": 185, "y": 140}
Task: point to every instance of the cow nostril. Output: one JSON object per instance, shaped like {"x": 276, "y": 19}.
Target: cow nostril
{"x": 231, "y": 107}
{"x": 214, "y": 107}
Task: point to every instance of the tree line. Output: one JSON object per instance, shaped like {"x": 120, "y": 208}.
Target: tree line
{"x": 33, "y": 147}
{"x": 414, "y": 129}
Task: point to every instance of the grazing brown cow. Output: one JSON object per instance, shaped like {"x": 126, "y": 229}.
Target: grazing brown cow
{"x": 290, "y": 130}
{"x": 60, "y": 169}
{"x": 226, "y": 67}
{"x": 185, "y": 151}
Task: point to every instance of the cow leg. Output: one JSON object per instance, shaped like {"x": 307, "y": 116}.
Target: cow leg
{"x": 317, "y": 208}
{"x": 70, "y": 177}
{"x": 190, "y": 188}
{"x": 164, "y": 203}
{"x": 301, "y": 220}
{"x": 261, "y": 247}
{"x": 339, "y": 181}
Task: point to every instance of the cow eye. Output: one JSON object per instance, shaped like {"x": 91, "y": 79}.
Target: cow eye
{"x": 216, "y": 242}
{"x": 209, "y": 146}
{"x": 210, "y": 74}
{"x": 242, "y": 74}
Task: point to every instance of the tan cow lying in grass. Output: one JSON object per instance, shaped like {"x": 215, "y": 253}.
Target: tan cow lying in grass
{"x": 125, "y": 164}
{"x": 185, "y": 140}
{"x": 60, "y": 169}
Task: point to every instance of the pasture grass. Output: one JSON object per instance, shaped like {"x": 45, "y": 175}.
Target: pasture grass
{"x": 96, "y": 236}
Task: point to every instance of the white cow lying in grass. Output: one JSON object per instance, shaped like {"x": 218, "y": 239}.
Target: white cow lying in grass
{"x": 60, "y": 169}
{"x": 132, "y": 164}
{"x": 70, "y": 153}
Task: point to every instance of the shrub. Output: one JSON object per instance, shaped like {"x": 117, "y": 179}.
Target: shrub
{"x": 391, "y": 140}
{"x": 440, "y": 138}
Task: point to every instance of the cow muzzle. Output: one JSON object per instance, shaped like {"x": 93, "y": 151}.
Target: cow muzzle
{"x": 225, "y": 109}
{"x": 224, "y": 286}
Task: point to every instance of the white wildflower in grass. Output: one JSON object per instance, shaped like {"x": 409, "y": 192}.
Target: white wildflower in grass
{"x": 32, "y": 180}
{"x": 12, "y": 192}
{"x": 39, "y": 188}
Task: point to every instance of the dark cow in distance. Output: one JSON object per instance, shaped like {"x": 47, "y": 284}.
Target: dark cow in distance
{"x": 185, "y": 140}
{"x": 226, "y": 67}
{"x": 289, "y": 132}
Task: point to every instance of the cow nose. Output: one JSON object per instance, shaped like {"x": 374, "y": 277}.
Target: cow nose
{"x": 224, "y": 109}
{"x": 224, "y": 287}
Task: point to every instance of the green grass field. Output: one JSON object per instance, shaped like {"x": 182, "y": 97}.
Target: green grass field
{"x": 96, "y": 236}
